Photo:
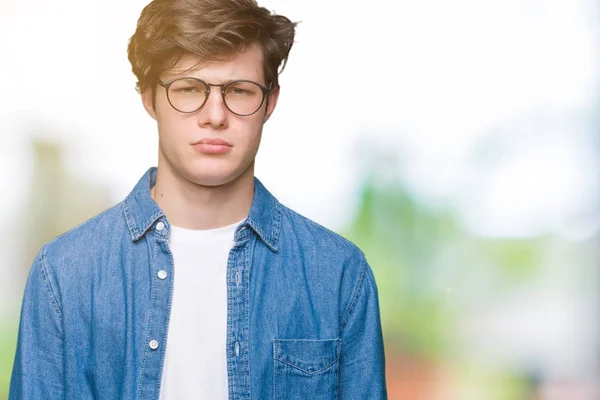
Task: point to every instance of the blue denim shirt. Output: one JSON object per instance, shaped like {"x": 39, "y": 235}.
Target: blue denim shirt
{"x": 302, "y": 309}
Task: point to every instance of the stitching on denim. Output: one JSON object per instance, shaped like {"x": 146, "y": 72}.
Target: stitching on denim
{"x": 275, "y": 351}
{"x": 151, "y": 220}
{"x": 355, "y": 296}
{"x": 170, "y": 296}
{"x": 277, "y": 227}
{"x": 137, "y": 233}
{"x": 48, "y": 284}
{"x": 270, "y": 240}
{"x": 307, "y": 340}
{"x": 337, "y": 371}
{"x": 246, "y": 314}
{"x": 230, "y": 374}
{"x": 337, "y": 353}
{"x": 129, "y": 219}
{"x": 324, "y": 369}
{"x": 147, "y": 225}
{"x": 145, "y": 344}
{"x": 337, "y": 378}
{"x": 265, "y": 238}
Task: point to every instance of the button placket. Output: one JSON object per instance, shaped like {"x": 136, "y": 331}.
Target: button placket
{"x": 160, "y": 288}
{"x": 237, "y": 311}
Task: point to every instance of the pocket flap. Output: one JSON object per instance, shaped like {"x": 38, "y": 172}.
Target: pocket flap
{"x": 306, "y": 354}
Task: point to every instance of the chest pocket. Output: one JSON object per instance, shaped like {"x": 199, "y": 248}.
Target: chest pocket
{"x": 306, "y": 369}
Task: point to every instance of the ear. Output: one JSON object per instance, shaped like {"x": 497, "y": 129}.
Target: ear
{"x": 147, "y": 100}
{"x": 271, "y": 103}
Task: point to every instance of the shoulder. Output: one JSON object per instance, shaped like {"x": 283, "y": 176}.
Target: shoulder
{"x": 88, "y": 237}
{"x": 316, "y": 236}
{"x": 334, "y": 259}
{"x": 70, "y": 260}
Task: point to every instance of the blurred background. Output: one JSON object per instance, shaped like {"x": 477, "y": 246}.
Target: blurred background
{"x": 457, "y": 143}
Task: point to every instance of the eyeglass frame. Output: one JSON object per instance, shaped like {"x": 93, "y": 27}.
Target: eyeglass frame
{"x": 265, "y": 91}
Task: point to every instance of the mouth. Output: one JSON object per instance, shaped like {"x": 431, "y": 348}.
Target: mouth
{"x": 212, "y": 146}
{"x": 216, "y": 142}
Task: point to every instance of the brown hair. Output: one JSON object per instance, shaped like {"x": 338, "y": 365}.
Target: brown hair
{"x": 214, "y": 30}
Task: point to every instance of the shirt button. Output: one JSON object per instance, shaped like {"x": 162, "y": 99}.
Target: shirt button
{"x": 160, "y": 226}
{"x": 237, "y": 349}
{"x": 162, "y": 274}
{"x": 153, "y": 344}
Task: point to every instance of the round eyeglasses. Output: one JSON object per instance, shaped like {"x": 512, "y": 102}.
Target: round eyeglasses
{"x": 241, "y": 97}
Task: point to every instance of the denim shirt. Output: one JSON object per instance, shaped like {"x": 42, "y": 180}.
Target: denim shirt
{"x": 302, "y": 309}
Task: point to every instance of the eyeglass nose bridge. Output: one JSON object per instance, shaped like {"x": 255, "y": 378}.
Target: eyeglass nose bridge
{"x": 221, "y": 87}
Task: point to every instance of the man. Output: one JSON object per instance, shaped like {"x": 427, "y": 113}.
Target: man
{"x": 200, "y": 284}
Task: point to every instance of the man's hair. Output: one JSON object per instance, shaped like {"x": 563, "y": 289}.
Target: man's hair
{"x": 213, "y": 30}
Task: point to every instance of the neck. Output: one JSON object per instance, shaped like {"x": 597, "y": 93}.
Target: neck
{"x": 189, "y": 205}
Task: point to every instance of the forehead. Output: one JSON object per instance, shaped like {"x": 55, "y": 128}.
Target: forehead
{"x": 245, "y": 65}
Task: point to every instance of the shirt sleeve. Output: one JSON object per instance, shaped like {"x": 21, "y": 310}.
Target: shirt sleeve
{"x": 38, "y": 367}
{"x": 362, "y": 370}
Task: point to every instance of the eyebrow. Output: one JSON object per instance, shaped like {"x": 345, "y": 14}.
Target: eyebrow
{"x": 222, "y": 82}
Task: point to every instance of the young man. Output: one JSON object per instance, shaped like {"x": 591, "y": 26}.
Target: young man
{"x": 200, "y": 284}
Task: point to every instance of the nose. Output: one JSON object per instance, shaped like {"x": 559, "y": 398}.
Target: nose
{"x": 214, "y": 112}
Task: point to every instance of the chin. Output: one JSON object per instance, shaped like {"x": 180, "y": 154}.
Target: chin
{"x": 212, "y": 181}
{"x": 211, "y": 172}
{"x": 205, "y": 177}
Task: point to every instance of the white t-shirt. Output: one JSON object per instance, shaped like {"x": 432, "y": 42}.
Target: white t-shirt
{"x": 195, "y": 360}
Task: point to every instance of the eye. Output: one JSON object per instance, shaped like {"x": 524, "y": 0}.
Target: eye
{"x": 242, "y": 89}
{"x": 236, "y": 90}
{"x": 188, "y": 87}
{"x": 188, "y": 90}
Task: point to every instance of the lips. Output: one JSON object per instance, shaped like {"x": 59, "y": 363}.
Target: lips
{"x": 216, "y": 142}
{"x": 212, "y": 146}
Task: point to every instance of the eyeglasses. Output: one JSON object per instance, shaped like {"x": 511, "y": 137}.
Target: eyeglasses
{"x": 241, "y": 97}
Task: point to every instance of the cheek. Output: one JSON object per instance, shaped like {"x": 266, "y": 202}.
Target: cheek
{"x": 167, "y": 118}
{"x": 173, "y": 127}
{"x": 250, "y": 133}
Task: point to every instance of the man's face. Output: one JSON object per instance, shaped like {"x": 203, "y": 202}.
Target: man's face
{"x": 180, "y": 134}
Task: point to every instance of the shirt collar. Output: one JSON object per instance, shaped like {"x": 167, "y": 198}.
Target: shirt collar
{"x": 141, "y": 212}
